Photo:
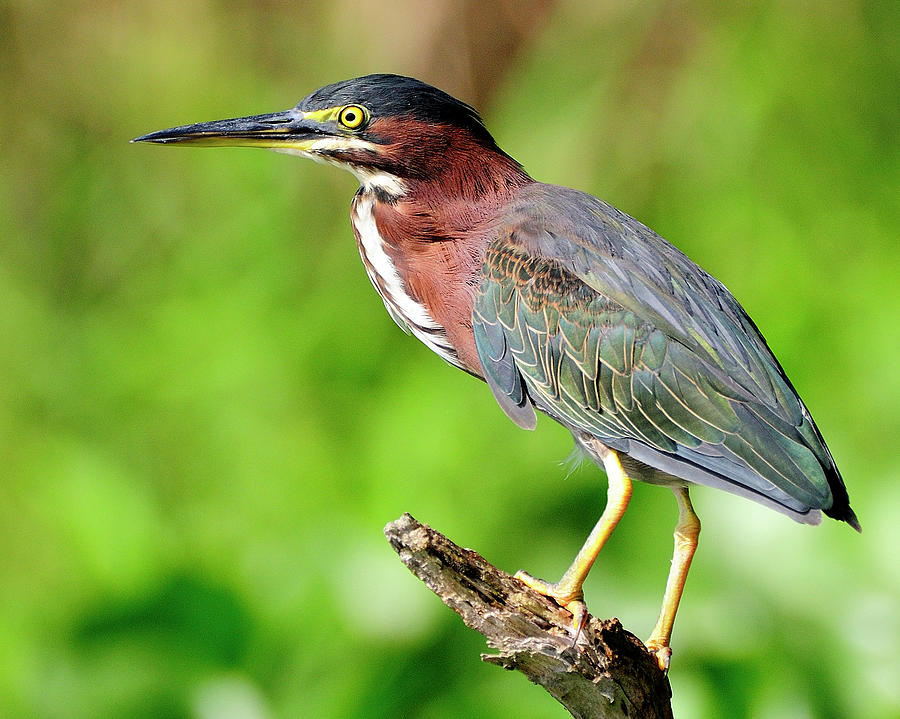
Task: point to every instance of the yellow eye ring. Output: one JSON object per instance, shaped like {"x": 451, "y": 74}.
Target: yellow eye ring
{"x": 353, "y": 116}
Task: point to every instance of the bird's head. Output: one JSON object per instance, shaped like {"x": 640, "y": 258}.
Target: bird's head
{"x": 388, "y": 130}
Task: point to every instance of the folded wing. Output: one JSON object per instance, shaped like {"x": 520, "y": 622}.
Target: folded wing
{"x": 606, "y": 327}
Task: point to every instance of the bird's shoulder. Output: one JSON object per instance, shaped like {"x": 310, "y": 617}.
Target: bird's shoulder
{"x": 575, "y": 238}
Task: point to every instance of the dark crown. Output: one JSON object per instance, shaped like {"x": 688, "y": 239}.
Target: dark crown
{"x": 399, "y": 96}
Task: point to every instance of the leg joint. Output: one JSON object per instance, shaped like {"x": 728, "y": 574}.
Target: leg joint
{"x": 686, "y": 541}
{"x": 688, "y": 530}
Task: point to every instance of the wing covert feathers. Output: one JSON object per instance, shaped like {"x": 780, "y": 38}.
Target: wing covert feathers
{"x": 612, "y": 331}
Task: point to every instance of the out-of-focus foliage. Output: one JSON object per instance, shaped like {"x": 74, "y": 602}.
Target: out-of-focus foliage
{"x": 206, "y": 416}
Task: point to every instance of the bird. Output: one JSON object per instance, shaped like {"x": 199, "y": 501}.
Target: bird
{"x": 562, "y": 304}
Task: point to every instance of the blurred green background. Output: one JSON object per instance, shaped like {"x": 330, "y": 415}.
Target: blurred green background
{"x": 206, "y": 415}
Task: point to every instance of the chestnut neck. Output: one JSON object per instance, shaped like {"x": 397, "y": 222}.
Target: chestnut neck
{"x": 455, "y": 186}
{"x": 436, "y": 234}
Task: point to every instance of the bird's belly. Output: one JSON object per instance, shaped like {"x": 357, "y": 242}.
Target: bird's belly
{"x": 633, "y": 468}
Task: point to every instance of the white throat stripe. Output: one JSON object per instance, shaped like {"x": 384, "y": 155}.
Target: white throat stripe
{"x": 411, "y": 315}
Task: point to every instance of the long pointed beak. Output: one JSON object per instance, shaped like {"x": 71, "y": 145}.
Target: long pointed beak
{"x": 274, "y": 130}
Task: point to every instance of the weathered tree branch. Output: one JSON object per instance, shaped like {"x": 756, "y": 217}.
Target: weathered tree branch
{"x": 608, "y": 673}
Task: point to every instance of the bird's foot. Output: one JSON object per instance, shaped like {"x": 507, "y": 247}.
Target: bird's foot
{"x": 662, "y": 652}
{"x": 568, "y": 597}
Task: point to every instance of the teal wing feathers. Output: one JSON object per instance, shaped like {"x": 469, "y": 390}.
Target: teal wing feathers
{"x": 603, "y": 325}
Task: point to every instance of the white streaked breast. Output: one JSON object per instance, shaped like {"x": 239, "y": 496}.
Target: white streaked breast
{"x": 411, "y": 315}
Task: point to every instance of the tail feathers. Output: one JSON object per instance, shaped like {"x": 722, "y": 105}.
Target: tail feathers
{"x": 840, "y": 505}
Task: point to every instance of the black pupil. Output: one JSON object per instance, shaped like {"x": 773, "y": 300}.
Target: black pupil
{"x": 350, "y": 117}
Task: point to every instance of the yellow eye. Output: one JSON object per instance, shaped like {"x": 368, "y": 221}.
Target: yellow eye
{"x": 353, "y": 116}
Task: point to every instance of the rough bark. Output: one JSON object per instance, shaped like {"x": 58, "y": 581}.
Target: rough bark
{"x": 606, "y": 673}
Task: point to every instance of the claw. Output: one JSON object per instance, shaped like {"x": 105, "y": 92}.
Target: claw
{"x": 663, "y": 655}
{"x": 569, "y": 599}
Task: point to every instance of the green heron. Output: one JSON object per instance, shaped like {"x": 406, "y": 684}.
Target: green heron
{"x": 560, "y": 303}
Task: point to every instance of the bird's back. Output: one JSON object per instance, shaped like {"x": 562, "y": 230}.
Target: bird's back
{"x": 614, "y": 332}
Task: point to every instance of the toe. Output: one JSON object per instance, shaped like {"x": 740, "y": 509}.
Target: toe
{"x": 663, "y": 655}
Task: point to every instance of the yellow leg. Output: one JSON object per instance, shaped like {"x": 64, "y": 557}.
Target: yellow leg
{"x": 686, "y": 533}
{"x": 567, "y": 591}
